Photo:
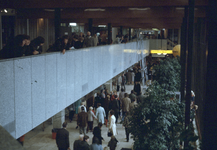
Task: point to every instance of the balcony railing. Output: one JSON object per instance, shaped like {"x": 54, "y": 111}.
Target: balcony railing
{"x": 34, "y": 88}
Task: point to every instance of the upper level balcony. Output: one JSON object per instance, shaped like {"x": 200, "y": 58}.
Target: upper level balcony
{"x": 34, "y": 88}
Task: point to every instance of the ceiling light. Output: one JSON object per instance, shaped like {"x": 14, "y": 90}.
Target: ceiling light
{"x": 73, "y": 24}
{"x": 139, "y": 8}
{"x": 102, "y": 26}
{"x": 180, "y": 8}
{"x": 94, "y": 9}
{"x": 5, "y": 10}
{"x": 155, "y": 29}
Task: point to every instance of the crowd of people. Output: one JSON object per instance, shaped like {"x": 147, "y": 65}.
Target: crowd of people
{"x": 109, "y": 109}
{"x": 21, "y": 45}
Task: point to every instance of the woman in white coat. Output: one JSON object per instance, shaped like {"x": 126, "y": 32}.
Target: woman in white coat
{"x": 112, "y": 125}
{"x": 100, "y": 113}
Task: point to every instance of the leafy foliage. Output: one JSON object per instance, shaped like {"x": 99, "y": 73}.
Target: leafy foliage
{"x": 157, "y": 121}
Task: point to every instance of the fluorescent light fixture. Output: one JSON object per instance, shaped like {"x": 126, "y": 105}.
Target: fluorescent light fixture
{"x": 180, "y": 8}
{"x": 155, "y": 29}
{"x": 94, "y": 9}
{"x": 5, "y": 10}
{"x": 158, "y": 53}
{"x": 103, "y": 26}
{"x": 49, "y": 10}
{"x": 73, "y": 24}
{"x": 142, "y": 9}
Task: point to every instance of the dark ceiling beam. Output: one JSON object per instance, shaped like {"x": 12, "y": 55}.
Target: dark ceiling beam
{"x": 96, "y": 3}
{"x": 156, "y": 12}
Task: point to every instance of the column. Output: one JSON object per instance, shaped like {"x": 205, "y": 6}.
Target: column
{"x": 209, "y": 140}
{"x": 183, "y": 52}
{"x": 58, "y": 119}
{"x": 121, "y": 30}
{"x": 1, "y": 32}
{"x": 57, "y": 21}
{"x": 189, "y": 64}
{"x": 90, "y": 25}
{"x": 109, "y": 33}
{"x": 129, "y": 34}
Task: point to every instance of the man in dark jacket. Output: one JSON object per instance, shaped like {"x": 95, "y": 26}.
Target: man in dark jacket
{"x": 62, "y": 138}
{"x": 82, "y": 121}
{"x": 77, "y": 143}
{"x": 84, "y": 144}
{"x": 97, "y": 132}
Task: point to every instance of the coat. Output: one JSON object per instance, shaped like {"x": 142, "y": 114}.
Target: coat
{"x": 100, "y": 114}
{"x": 125, "y": 104}
{"x": 97, "y": 133}
{"x": 115, "y": 105}
{"x": 95, "y": 146}
{"x": 62, "y": 138}
{"x": 84, "y": 146}
{"x": 82, "y": 119}
{"x": 112, "y": 125}
{"x": 90, "y": 115}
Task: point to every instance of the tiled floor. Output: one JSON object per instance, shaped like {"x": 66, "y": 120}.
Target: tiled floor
{"x": 42, "y": 140}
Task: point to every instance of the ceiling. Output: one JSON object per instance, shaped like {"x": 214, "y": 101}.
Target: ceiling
{"x": 127, "y": 13}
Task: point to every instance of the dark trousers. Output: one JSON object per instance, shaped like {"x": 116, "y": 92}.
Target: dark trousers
{"x": 127, "y": 133}
{"x": 90, "y": 125}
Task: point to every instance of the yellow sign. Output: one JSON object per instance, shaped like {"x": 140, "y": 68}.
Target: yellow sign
{"x": 176, "y": 50}
{"x": 161, "y": 51}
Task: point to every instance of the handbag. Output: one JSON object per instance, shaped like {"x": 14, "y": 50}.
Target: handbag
{"x": 109, "y": 133}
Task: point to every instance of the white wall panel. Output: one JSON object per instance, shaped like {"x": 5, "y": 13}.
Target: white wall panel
{"x": 23, "y": 101}
{"x": 51, "y": 84}
{"x": 38, "y": 90}
{"x": 7, "y": 119}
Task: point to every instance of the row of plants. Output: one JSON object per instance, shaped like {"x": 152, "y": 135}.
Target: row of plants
{"x": 157, "y": 122}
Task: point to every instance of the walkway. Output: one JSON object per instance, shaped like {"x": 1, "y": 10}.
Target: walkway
{"x": 42, "y": 140}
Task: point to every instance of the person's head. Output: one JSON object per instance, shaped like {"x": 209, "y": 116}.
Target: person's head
{"x": 125, "y": 95}
{"x": 98, "y": 104}
{"x": 90, "y": 108}
{"x": 19, "y": 40}
{"x": 100, "y": 124}
{"x": 65, "y": 39}
{"x": 95, "y": 140}
{"x": 88, "y": 33}
{"x": 82, "y": 103}
{"x": 115, "y": 96}
{"x": 86, "y": 138}
{"x": 112, "y": 112}
{"x": 81, "y": 137}
{"x": 64, "y": 124}
{"x": 122, "y": 90}
{"x": 40, "y": 40}
{"x": 82, "y": 108}
{"x": 115, "y": 92}
{"x": 132, "y": 91}
{"x": 27, "y": 39}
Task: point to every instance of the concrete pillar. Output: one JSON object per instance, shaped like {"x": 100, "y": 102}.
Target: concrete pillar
{"x": 58, "y": 119}
{"x": 57, "y": 21}
{"x": 129, "y": 34}
{"x": 121, "y": 30}
{"x": 109, "y": 33}
{"x": 114, "y": 33}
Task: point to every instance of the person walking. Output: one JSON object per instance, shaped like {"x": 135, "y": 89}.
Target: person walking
{"x": 126, "y": 125}
{"x": 125, "y": 105}
{"x": 62, "y": 138}
{"x": 100, "y": 113}
{"x": 95, "y": 145}
{"x": 97, "y": 132}
{"x": 112, "y": 143}
{"x": 91, "y": 116}
{"x": 78, "y": 142}
{"x": 112, "y": 125}
{"x": 84, "y": 144}
{"x": 82, "y": 121}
